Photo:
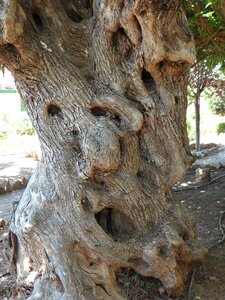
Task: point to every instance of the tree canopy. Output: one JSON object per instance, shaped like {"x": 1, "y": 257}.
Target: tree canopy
{"x": 206, "y": 20}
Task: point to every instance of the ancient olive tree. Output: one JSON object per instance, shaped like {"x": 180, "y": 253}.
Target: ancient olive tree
{"x": 104, "y": 83}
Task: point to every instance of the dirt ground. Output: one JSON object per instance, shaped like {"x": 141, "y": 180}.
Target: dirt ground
{"x": 207, "y": 204}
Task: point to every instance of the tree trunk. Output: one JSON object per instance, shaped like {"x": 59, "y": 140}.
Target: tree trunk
{"x": 197, "y": 122}
{"x": 104, "y": 84}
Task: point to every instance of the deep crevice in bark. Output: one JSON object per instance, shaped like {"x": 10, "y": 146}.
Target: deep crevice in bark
{"x": 176, "y": 100}
{"x": 98, "y": 111}
{"x": 75, "y": 142}
{"x": 135, "y": 286}
{"x": 163, "y": 252}
{"x": 13, "y": 244}
{"x": 115, "y": 223}
{"x": 185, "y": 237}
{"x": 121, "y": 42}
{"x": 37, "y": 20}
{"x": 138, "y": 26}
{"x": 74, "y": 16}
{"x": 148, "y": 81}
{"x": 78, "y": 10}
{"x": 86, "y": 204}
{"x": 103, "y": 112}
{"x": 143, "y": 12}
{"x": 176, "y": 67}
{"x": 54, "y": 110}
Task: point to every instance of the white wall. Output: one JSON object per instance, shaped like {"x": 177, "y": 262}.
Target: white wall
{"x": 9, "y": 104}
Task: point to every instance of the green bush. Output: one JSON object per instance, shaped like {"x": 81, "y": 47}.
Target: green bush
{"x": 21, "y": 125}
{"x": 217, "y": 106}
{"x": 191, "y": 131}
{"x": 4, "y": 127}
{"x": 3, "y": 134}
{"x": 220, "y": 128}
{"x": 24, "y": 126}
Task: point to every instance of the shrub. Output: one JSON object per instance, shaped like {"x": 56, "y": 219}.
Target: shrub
{"x": 3, "y": 134}
{"x": 220, "y": 128}
{"x": 24, "y": 126}
{"x": 4, "y": 127}
{"x": 217, "y": 106}
{"x": 191, "y": 131}
{"x": 21, "y": 125}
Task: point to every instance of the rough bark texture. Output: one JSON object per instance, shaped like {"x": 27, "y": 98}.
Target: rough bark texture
{"x": 104, "y": 83}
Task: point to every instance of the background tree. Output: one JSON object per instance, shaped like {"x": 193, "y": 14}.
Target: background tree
{"x": 202, "y": 79}
{"x": 206, "y": 20}
{"x": 216, "y": 94}
{"x": 104, "y": 84}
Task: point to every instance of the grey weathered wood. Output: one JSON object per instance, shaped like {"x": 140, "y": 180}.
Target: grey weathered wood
{"x": 104, "y": 84}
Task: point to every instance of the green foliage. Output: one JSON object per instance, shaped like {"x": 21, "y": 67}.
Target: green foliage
{"x": 220, "y": 128}
{"x": 4, "y": 127}
{"x": 190, "y": 95}
{"x": 190, "y": 131}
{"x": 217, "y": 106}
{"x": 21, "y": 125}
{"x": 216, "y": 96}
{"x": 3, "y": 135}
{"x": 206, "y": 22}
{"x": 24, "y": 126}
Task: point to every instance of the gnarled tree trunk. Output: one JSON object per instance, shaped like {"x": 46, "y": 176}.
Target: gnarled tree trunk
{"x": 104, "y": 83}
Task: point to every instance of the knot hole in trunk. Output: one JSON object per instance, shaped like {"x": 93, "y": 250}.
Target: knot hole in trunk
{"x": 37, "y": 19}
{"x": 54, "y": 110}
{"x": 115, "y": 223}
{"x": 148, "y": 81}
{"x": 102, "y": 112}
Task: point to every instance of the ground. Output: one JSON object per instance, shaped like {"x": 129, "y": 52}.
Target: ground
{"x": 206, "y": 203}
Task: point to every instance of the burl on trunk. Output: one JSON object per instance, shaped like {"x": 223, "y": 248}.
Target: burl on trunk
{"x": 104, "y": 83}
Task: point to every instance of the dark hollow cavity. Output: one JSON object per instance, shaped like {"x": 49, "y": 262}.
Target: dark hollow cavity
{"x": 135, "y": 286}
{"x": 37, "y": 20}
{"x": 54, "y": 110}
{"x": 148, "y": 81}
{"x": 115, "y": 223}
{"x": 101, "y": 112}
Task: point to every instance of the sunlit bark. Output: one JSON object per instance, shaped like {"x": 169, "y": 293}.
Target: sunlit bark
{"x": 104, "y": 84}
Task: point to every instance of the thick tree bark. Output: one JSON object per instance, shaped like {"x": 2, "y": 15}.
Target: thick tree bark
{"x": 104, "y": 84}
